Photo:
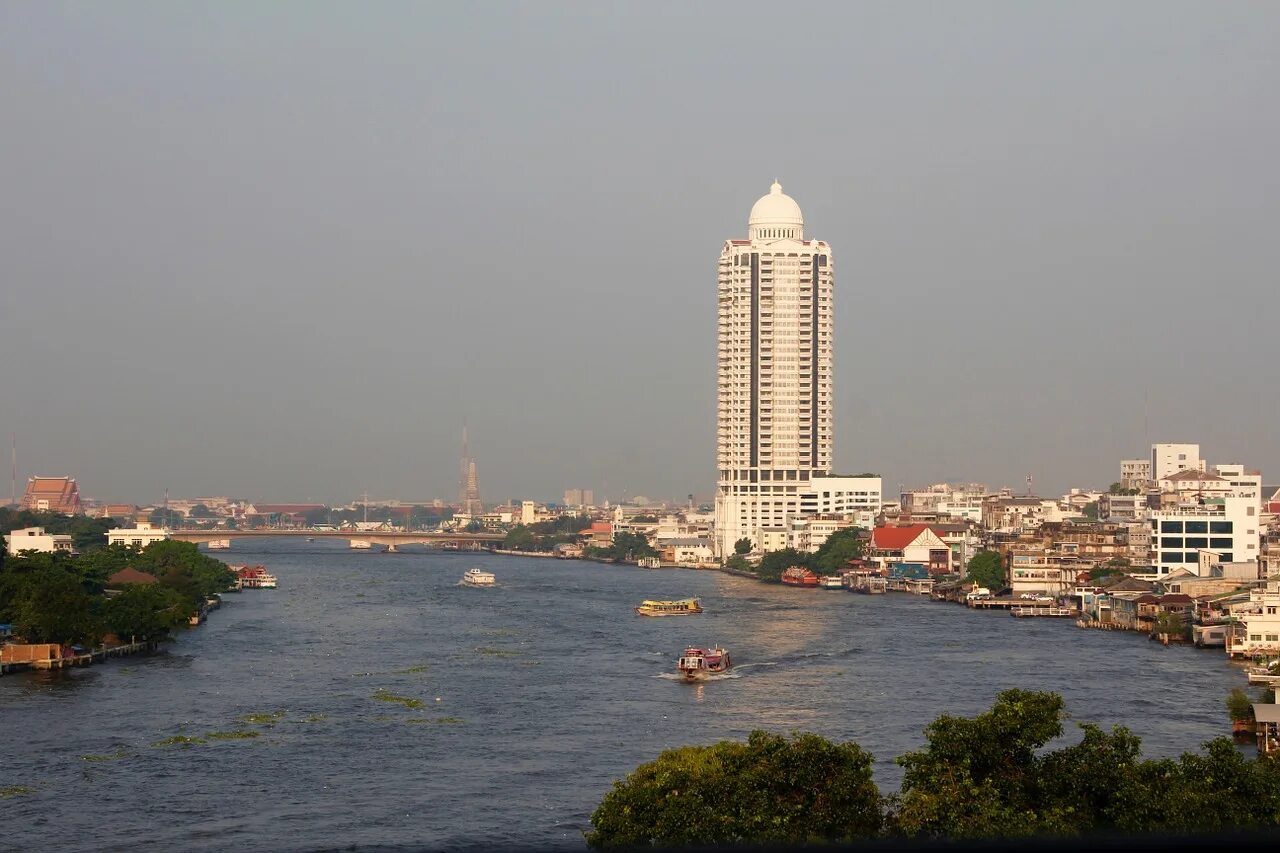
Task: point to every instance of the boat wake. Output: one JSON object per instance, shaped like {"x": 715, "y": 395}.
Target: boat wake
{"x": 715, "y": 676}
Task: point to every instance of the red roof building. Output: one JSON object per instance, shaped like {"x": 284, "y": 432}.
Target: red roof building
{"x": 913, "y": 543}
{"x": 52, "y": 494}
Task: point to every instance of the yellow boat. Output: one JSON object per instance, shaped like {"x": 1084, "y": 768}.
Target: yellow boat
{"x": 683, "y": 607}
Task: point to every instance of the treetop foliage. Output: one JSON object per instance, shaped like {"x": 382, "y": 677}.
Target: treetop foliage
{"x": 986, "y": 776}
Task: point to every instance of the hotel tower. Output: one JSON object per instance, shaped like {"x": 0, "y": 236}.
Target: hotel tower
{"x": 774, "y": 436}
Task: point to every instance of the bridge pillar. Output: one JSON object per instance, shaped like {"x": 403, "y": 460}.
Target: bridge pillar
{"x": 392, "y": 549}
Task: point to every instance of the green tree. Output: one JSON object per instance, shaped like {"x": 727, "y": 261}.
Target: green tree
{"x": 54, "y": 608}
{"x": 986, "y": 569}
{"x": 473, "y": 527}
{"x": 770, "y": 789}
{"x": 738, "y": 562}
{"x": 777, "y": 562}
{"x": 1239, "y": 705}
{"x": 742, "y": 546}
{"x": 976, "y": 778}
{"x": 520, "y": 538}
{"x": 840, "y": 547}
{"x": 145, "y": 612}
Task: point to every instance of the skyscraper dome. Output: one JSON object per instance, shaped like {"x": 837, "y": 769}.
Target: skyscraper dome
{"x": 776, "y": 216}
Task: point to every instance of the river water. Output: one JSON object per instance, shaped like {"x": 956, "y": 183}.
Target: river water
{"x": 535, "y": 696}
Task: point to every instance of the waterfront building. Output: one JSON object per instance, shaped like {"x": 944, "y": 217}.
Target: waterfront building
{"x": 528, "y": 512}
{"x": 35, "y": 539}
{"x": 1226, "y": 526}
{"x": 913, "y": 543}
{"x": 775, "y": 348}
{"x": 1258, "y": 629}
{"x": 52, "y": 494}
{"x": 140, "y": 535}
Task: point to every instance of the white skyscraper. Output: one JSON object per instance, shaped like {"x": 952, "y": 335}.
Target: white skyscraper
{"x": 775, "y": 379}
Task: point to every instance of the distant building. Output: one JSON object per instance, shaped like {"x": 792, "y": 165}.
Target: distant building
{"x": 35, "y": 539}
{"x": 139, "y": 536}
{"x": 775, "y": 391}
{"x": 1169, "y": 459}
{"x": 528, "y": 512}
{"x": 914, "y": 543}
{"x": 52, "y": 494}
{"x": 1135, "y": 473}
{"x": 1227, "y": 527}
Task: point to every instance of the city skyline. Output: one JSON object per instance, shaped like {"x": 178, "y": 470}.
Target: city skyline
{"x": 236, "y": 264}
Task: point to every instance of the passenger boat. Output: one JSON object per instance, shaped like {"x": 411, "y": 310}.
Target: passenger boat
{"x": 683, "y": 607}
{"x": 799, "y": 576}
{"x": 219, "y": 544}
{"x": 476, "y": 577}
{"x": 255, "y": 577}
{"x": 361, "y": 544}
{"x": 649, "y": 563}
{"x": 701, "y": 664}
{"x": 831, "y": 582}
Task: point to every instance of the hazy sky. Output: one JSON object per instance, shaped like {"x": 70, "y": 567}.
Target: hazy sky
{"x": 282, "y": 250}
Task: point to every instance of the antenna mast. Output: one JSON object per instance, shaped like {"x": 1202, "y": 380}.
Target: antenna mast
{"x": 13, "y": 482}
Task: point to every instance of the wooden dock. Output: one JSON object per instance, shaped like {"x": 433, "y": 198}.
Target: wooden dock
{"x": 1060, "y": 612}
{"x": 96, "y": 656}
{"x": 1009, "y": 604}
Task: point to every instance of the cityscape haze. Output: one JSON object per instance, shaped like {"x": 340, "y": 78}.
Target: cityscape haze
{"x": 283, "y": 252}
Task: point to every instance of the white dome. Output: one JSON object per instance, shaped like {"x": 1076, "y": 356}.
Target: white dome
{"x": 775, "y": 216}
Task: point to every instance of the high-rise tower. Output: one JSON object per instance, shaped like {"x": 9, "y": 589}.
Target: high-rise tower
{"x": 775, "y": 363}
{"x": 468, "y": 487}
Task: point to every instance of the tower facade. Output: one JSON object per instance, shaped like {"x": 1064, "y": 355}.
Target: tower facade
{"x": 468, "y": 486}
{"x": 774, "y": 433}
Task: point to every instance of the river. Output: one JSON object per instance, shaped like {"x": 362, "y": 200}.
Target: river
{"x": 535, "y": 696}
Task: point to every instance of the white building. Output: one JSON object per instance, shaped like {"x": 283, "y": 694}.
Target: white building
{"x": 1259, "y": 631}
{"x": 1240, "y": 481}
{"x": 1169, "y": 459}
{"x": 528, "y": 512}
{"x": 1135, "y": 473}
{"x": 35, "y": 539}
{"x": 139, "y": 536}
{"x": 775, "y": 314}
{"x": 1228, "y": 527}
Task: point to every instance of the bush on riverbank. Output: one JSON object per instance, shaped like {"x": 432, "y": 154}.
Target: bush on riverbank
{"x": 979, "y": 777}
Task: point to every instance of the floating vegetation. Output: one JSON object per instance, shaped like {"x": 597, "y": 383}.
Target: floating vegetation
{"x": 442, "y": 721}
{"x": 501, "y": 632}
{"x": 407, "y": 701}
{"x": 314, "y": 718}
{"x": 422, "y": 667}
{"x": 238, "y": 734}
{"x": 179, "y": 740}
{"x": 490, "y": 651}
{"x": 359, "y": 595}
{"x": 111, "y": 756}
{"x": 16, "y": 791}
{"x": 264, "y": 719}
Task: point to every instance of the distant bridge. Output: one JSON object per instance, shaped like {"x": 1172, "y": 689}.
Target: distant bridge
{"x": 391, "y": 539}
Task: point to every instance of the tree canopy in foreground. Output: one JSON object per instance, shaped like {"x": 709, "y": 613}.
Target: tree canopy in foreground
{"x": 987, "y": 776}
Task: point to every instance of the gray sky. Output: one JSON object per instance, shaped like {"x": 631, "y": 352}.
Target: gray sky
{"x": 282, "y": 250}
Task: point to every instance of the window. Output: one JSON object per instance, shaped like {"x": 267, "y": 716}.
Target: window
{"x": 1197, "y": 542}
{"x": 1171, "y": 527}
{"x": 1271, "y": 638}
{"x": 1257, "y": 638}
{"x": 1220, "y": 542}
{"x": 1228, "y": 557}
{"x": 1197, "y": 527}
{"x": 1221, "y": 527}
{"x": 1170, "y": 541}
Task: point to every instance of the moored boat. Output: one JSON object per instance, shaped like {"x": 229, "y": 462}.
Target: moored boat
{"x": 831, "y": 582}
{"x": 254, "y": 577}
{"x": 219, "y": 544}
{"x": 700, "y": 664}
{"x": 799, "y": 576}
{"x": 682, "y": 607}
{"x": 477, "y": 577}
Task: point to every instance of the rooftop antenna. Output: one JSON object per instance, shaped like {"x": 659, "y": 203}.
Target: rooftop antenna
{"x": 13, "y": 482}
{"x": 366, "y": 506}
{"x": 1030, "y": 479}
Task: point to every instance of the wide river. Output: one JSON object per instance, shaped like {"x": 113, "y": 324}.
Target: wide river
{"x": 535, "y": 696}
